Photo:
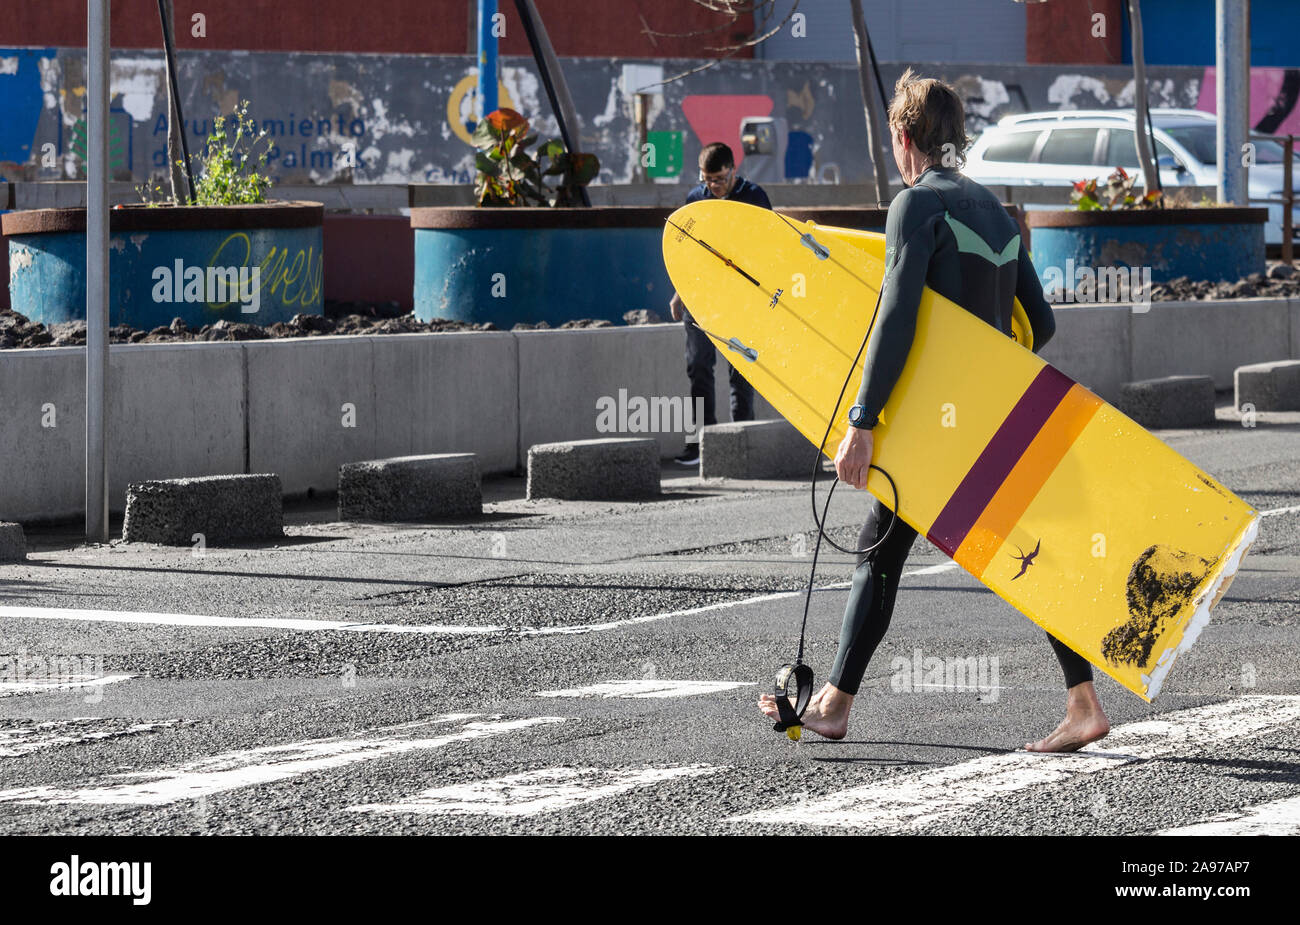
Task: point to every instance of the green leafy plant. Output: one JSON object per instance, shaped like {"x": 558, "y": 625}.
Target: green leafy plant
{"x": 230, "y": 172}
{"x": 509, "y": 175}
{"x": 1116, "y": 194}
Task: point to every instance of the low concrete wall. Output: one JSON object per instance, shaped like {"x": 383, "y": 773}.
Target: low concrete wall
{"x": 302, "y": 407}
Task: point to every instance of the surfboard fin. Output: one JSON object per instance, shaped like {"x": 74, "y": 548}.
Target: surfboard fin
{"x": 749, "y": 353}
{"x": 808, "y": 241}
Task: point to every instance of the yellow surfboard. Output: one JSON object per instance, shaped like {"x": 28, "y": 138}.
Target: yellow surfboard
{"x": 1067, "y": 509}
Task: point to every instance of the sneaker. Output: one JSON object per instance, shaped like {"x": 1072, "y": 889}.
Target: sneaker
{"x": 689, "y": 458}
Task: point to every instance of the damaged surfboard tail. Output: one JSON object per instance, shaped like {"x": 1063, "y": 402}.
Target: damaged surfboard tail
{"x": 1213, "y": 588}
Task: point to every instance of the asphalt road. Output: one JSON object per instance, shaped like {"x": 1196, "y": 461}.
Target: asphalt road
{"x": 592, "y": 668}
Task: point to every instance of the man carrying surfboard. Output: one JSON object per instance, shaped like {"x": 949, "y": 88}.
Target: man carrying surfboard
{"x": 950, "y": 233}
{"x": 718, "y": 180}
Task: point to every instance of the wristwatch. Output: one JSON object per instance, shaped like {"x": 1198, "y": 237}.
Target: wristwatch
{"x": 857, "y": 417}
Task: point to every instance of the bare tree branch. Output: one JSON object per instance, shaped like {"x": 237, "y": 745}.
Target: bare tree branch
{"x": 730, "y": 50}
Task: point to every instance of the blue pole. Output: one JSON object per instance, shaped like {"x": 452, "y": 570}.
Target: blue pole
{"x": 487, "y": 58}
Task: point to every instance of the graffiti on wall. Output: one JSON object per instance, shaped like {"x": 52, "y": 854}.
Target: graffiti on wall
{"x": 402, "y": 118}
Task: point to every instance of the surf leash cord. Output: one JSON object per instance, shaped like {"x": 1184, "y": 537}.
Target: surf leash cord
{"x": 791, "y": 715}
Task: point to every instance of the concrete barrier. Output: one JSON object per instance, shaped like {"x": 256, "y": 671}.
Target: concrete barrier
{"x": 173, "y": 411}
{"x": 13, "y": 543}
{"x": 410, "y": 488}
{"x": 318, "y": 403}
{"x": 219, "y": 508}
{"x": 608, "y": 374}
{"x": 755, "y": 450}
{"x": 1171, "y": 401}
{"x": 1176, "y": 338}
{"x": 1268, "y": 386}
{"x": 303, "y": 407}
{"x": 594, "y": 470}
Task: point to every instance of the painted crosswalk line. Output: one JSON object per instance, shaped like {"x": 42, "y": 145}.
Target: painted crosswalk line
{"x": 34, "y": 737}
{"x": 299, "y": 624}
{"x": 72, "y": 682}
{"x": 647, "y": 688}
{"x": 534, "y": 792}
{"x": 1281, "y": 817}
{"x": 268, "y": 764}
{"x": 910, "y": 801}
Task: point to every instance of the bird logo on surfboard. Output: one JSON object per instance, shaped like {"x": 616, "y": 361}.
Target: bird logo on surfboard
{"x": 1025, "y": 560}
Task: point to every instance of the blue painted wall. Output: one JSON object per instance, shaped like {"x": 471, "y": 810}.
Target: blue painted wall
{"x": 1182, "y": 32}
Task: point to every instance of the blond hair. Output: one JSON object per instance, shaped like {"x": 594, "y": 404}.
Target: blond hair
{"x": 931, "y": 114}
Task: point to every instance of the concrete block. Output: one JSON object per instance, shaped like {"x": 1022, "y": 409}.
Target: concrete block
{"x": 223, "y": 508}
{"x": 1268, "y": 386}
{"x": 1171, "y": 401}
{"x": 13, "y": 544}
{"x": 411, "y": 488}
{"x": 594, "y": 470}
{"x": 755, "y": 450}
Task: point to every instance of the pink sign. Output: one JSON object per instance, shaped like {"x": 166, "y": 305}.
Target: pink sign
{"x": 717, "y": 118}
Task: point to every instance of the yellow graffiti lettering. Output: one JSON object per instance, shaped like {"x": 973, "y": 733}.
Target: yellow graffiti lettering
{"x": 276, "y": 280}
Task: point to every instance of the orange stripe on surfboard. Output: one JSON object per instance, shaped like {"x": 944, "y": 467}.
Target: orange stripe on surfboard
{"x": 1029, "y": 474}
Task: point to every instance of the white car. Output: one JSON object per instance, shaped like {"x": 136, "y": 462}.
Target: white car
{"x": 1060, "y": 148}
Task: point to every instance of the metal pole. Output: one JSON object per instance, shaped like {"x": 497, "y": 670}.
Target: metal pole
{"x": 866, "y": 64}
{"x": 487, "y": 58}
{"x": 1288, "y": 198}
{"x": 97, "y": 84}
{"x": 557, "y": 90}
{"x": 1141, "y": 105}
{"x": 1232, "y": 97}
{"x": 176, "y": 119}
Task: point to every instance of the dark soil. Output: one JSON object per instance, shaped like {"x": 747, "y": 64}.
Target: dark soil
{"x": 339, "y": 318}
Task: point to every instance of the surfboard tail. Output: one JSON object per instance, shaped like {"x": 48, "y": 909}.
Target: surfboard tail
{"x": 1217, "y": 584}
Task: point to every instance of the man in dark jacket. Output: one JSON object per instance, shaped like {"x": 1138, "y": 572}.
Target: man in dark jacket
{"x": 718, "y": 180}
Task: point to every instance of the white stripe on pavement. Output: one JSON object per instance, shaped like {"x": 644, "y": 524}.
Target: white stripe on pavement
{"x": 647, "y": 688}
{"x": 1281, "y": 817}
{"x": 13, "y": 688}
{"x": 533, "y": 792}
{"x": 266, "y": 765}
{"x": 24, "y": 740}
{"x": 910, "y": 801}
{"x": 351, "y": 626}
{"x": 1294, "y": 509}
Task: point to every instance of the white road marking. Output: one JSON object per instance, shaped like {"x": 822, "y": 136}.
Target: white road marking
{"x": 1281, "y": 817}
{"x": 14, "y": 688}
{"x": 910, "y": 801}
{"x": 1294, "y": 509}
{"x": 266, "y": 765}
{"x": 37, "y": 737}
{"x": 350, "y": 626}
{"x": 647, "y": 688}
{"x": 533, "y": 792}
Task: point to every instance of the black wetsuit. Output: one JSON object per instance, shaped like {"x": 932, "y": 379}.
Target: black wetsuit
{"x": 953, "y": 235}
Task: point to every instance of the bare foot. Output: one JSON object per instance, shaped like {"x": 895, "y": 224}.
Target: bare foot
{"x": 827, "y": 713}
{"x": 1084, "y": 722}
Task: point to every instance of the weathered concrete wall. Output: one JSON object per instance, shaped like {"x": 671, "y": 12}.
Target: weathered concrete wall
{"x": 302, "y": 407}
{"x": 406, "y": 118}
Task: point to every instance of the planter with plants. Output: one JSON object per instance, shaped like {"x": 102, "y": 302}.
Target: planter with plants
{"x": 230, "y": 255}
{"x": 526, "y": 253}
{"x": 1113, "y": 228}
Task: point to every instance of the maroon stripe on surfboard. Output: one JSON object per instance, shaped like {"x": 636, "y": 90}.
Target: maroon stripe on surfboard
{"x": 999, "y": 457}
